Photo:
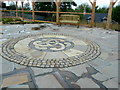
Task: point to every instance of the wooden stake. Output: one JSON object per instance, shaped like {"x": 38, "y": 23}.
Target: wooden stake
{"x": 58, "y": 2}
{"x": 16, "y": 9}
{"x": 22, "y": 10}
{"x": 110, "y": 14}
{"x": 93, "y": 14}
{"x": 57, "y": 14}
{"x": 33, "y": 13}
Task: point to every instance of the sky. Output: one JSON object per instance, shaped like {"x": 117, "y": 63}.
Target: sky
{"x": 100, "y": 3}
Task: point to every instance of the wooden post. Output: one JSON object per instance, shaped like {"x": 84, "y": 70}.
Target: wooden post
{"x": 93, "y": 13}
{"x": 58, "y": 2}
{"x": 22, "y": 10}
{"x": 1, "y": 13}
{"x": 16, "y": 9}
{"x": 57, "y": 14}
{"x": 33, "y": 13}
{"x": 112, "y": 3}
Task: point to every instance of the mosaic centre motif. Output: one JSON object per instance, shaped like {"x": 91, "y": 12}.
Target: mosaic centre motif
{"x": 50, "y": 50}
{"x": 51, "y": 44}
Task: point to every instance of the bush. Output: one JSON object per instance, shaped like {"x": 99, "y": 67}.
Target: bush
{"x": 116, "y": 14}
{"x": 7, "y": 20}
{"x": 16, "y": 19}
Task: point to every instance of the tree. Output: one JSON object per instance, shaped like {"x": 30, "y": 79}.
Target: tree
{"x": 51, "y": 6}
{"x": 67, "y": 6}
{"x": 116, "y": 14}
{"x": 84, "y": 8}
{"x": 45, "y": 6}
{"x": 102, "y": 10}
{"x": 11, "y": 6}
{"x": 27, "y": 5}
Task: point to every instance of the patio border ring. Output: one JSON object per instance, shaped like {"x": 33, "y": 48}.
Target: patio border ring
{"x": 9, "y": 53}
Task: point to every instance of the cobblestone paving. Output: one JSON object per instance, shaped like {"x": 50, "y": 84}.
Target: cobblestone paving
{"x": 65, "y": 44}
{"x": 49, "y": 50}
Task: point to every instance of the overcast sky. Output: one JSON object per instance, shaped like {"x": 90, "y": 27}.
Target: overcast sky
{"x": 100, "y": 3}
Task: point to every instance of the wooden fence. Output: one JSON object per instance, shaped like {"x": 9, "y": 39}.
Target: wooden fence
{"x": 58, "y": 3}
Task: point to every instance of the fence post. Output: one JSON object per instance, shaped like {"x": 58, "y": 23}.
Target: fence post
{"x": 16, "y": 9}
{"x": 112, "y": 3}
{"x": 57, "y": 2}
{"x": 93, "y": 13}
{"x": 109, "y": 15}
{"x": 57, "y": 14}
{"x": 22, "y": 10}
{"x": 33, "y": 13}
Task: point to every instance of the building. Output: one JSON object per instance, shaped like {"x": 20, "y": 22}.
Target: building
{"x": 3, "y": 6}
{"x": 99, "y": 17}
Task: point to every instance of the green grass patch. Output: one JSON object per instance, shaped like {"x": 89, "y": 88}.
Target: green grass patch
{"x": 17, "y": 21}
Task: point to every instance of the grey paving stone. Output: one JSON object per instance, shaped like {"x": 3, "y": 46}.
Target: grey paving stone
{"x": 0, "y": 68}
{"x": 110, "y": 84}
{"x": 18, "y": 66}
{"x": 99, "y": 63}
{"x": 38, "y": 71}
{"x": 86, "y": 83}
{"x": 0, "y": 64}
{"x": 100, "y": 77}
{"x": 109, "y": 56}
{"x": 111, "y": 70}
{"x": 78, "y": 70}
{"x": 20, "y": 86}
{"x": 104, "y": 56}
{"x": 7, "y": 67}
{"x": 57, "y": 55}
{"x": 47, "y": 81}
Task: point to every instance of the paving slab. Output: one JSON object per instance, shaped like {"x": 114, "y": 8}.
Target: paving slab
{"x": 16, "y": 79}
{"x": 111, "y": 70}
{"x": 99, "y": 63}
{"x": 7, "y": 67}
{"x": 87, "y": 83}
{"x": 41, "y": 71}
{"x": 20, "y": 86}
{"x": 18, "y": 66}
{"x": 47, "y": 81}
{"x": 110, "y": 84}
{"x": 77, "y": 70}
{"x": 100, "y": 77}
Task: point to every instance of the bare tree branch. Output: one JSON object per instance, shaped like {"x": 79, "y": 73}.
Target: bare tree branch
{"x": 91, "y": 2}
{"x": 58, "y": 2}
{"x": 115, "y": 2}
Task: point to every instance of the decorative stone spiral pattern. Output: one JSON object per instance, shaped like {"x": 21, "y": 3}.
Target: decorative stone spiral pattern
{"x": 50, "y": 50}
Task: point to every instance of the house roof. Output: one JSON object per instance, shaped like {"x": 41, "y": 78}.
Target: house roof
{"x": 3, "y": 5}
{"x": 98, "y": 16}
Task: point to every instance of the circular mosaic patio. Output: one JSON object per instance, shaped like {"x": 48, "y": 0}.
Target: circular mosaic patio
{"x": 50, "y": 50}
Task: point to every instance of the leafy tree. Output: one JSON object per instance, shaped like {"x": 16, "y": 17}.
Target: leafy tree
{"x": 11, "y": 6}
{"x": 67, "y": 6}
{"x": 102, "y": 10}
{"x": 51, "y": 6}
{"x": 116, "y": 14}
{"x": 84, "y": 8}
{"x": 45, "y": 6}
{"x": 27, "y": 6}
